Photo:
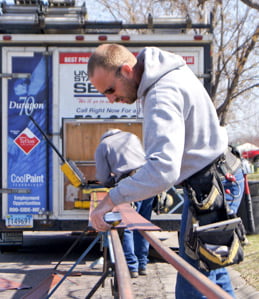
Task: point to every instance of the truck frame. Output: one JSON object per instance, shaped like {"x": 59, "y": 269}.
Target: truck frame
{"x": 44, "y": 52}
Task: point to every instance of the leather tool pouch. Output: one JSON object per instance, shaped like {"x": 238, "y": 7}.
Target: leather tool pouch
{"x": 212, "y": 235}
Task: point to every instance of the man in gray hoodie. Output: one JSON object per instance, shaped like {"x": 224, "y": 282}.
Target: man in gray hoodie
{"x": 182, "y": 134}
{"x": 118, "y": 156}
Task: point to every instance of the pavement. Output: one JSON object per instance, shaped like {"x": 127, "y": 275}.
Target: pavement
{"x": 29, "y": 267}
{"x": 242, "y": 289}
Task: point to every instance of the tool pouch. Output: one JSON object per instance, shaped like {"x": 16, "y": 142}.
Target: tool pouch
{"x": 219, "y": 245}
{"x": 212, "y": 236}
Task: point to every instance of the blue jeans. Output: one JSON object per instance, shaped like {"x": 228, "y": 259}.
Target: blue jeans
{"x": 136, "y": 247}
{"x": 219, "y": 276}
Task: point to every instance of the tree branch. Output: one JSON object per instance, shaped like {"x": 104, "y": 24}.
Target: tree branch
{"x": 251, "y": 3}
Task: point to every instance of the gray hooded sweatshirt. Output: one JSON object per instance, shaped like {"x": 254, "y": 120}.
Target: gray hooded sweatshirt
{"x": 117, "y": 154}
{"x": 182, "y": 134}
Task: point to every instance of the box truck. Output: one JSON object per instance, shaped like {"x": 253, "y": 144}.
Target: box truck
{"x": 45, "y": 49}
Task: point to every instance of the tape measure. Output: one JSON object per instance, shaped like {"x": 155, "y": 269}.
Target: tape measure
{"x": 113, "y": 218}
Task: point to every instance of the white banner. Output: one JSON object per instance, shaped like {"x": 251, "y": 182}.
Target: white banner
{"x": 79, "y": 98}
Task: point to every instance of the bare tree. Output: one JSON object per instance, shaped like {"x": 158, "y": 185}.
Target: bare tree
{"x": 234, "y": 74}
{"x": 251, "y": 3}
{"x": 235, "y": 40}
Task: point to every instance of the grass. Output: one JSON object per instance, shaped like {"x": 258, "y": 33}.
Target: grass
{"x": 253, "y": 176}
{"x": 249, "y": 268}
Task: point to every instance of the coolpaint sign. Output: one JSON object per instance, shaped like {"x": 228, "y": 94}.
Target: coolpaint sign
{"x": 28, "y": 161}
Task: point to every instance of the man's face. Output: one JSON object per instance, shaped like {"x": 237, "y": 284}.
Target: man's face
{"x": 117, "y": 86}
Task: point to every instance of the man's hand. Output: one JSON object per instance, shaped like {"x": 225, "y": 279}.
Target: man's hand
{"x": 97, "y": 220}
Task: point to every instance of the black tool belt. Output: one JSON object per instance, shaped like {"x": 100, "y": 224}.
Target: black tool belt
{"x": 205, "y": 236}
{"x": 205, "y": 186}
{"x": 228, "y": 162}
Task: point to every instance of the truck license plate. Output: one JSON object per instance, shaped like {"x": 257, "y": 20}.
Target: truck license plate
{"x": 21, "y": 221}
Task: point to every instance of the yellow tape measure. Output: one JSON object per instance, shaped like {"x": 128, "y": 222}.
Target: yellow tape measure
{"x": 113, "y": 218}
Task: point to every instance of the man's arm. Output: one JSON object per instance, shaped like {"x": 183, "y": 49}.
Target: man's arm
{"x": 97, "y": 215}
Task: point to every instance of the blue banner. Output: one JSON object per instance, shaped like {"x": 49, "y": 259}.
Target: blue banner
{"x": 29, "y": 156}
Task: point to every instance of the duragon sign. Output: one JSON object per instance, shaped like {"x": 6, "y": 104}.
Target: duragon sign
{"x": 28, "y": 162}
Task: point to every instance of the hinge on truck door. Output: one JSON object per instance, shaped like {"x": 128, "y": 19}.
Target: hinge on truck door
{"x": 15, "y": 75}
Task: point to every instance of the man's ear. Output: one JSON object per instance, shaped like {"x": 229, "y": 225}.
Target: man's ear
{"x": 127, "y": 70}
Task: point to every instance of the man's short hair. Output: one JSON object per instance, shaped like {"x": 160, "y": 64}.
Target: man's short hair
{"x": 110, "y": 57}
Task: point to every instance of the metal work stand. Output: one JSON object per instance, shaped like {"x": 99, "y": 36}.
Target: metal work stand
{"x": 108, "y": 266}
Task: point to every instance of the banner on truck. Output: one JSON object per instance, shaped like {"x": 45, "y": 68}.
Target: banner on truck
{"x": 28, "y": 159}
{"x": 79, "y": 98}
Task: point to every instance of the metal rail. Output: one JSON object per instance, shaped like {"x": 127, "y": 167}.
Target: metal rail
{"x": 122, "y": 287}
{"x": 8, "y": 24}
{"x": 121, "y": 267}
{"x": 196, "y": 278}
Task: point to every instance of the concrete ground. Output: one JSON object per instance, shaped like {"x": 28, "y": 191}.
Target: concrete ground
{"x": 33, "y": 264}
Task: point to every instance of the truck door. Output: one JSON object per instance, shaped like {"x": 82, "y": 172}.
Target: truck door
{"x": 27, "y": 162}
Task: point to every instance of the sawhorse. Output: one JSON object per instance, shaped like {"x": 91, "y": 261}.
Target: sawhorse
{"x": 116, "y": 265}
